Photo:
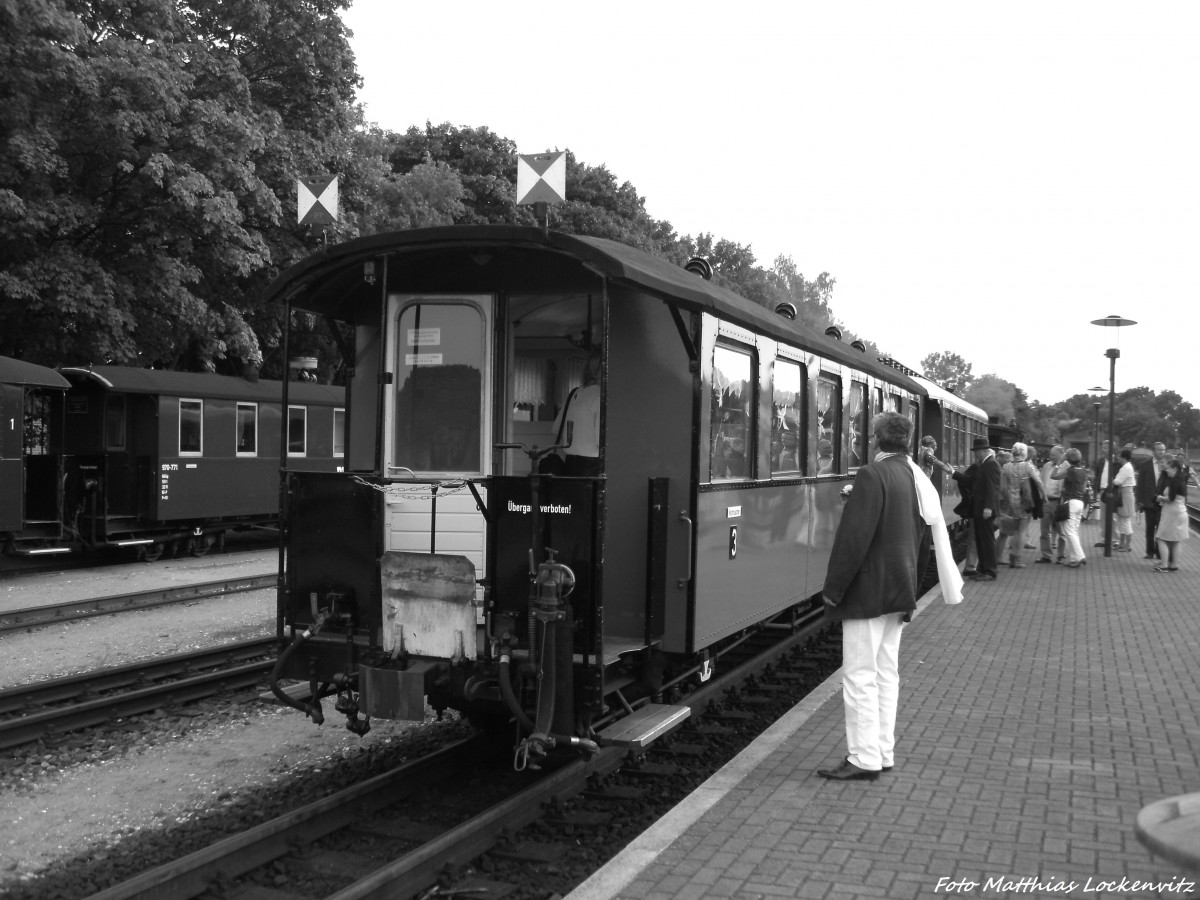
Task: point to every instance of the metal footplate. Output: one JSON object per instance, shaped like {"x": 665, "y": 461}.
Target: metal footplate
{"x": 644, "y": 725}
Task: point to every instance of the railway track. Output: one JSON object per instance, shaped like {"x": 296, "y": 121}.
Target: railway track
{"x": 57, "y": 613}
{"x": 403, "y": 833}
{"x": 53, "y": 708}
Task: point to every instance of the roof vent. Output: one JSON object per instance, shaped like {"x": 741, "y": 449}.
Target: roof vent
{"x": 834, "y": 332}
{"x": 859, "y": 346}
{"x": 698, "y": 265}
{"x": 787, "y": 310}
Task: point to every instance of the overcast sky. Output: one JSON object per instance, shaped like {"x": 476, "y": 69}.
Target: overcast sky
{"x": 978, "y": 177}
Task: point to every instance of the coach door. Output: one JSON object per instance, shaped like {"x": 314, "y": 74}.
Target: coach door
{"x": 437, "y": 422}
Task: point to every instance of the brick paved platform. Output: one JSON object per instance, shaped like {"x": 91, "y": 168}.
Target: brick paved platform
{"x": 1036, "y": 719}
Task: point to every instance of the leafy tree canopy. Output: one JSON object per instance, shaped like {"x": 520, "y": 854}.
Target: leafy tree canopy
{"x": 148, "y": 181}
{"x": 1140, "y": 417}
{"x": 949, "y": 370}
{"x": 1000, "y": 399}
{"x": 150, "y": 158}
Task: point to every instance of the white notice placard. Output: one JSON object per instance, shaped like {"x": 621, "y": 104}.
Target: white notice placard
{"x": 424, "y": 337}
{"x": 422, "y": 359}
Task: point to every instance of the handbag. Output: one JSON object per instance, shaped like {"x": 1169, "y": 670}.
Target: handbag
{"x": 1062, "y": 512}
{"x": 1008, "y": 525}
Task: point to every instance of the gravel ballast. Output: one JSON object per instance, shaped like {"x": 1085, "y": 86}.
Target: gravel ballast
{"x": 135, "y": 791}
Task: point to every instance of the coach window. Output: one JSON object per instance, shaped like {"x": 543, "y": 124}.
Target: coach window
{"x": 114, "y": 421}
{"x": 787, "y": 406}
{"x": 297, "y": 430}
{"x": 191, "y": 427}
{"x": 730, "y": 418}
{"x": 829, "y": 405}
{"x": 439, "y": 388}
{"x": 912, "y": 416}
{"x": 896, "y": 405}
{"x": 339, "y": 432}
{"x": 878, "y": 407}
{"x": 247, "y": 429}
{"x": 857, "y": 424}
{"x": 37, "y": 423}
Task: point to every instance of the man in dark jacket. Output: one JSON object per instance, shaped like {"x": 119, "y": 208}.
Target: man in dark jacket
{"x": 1147, "y": 495}
{"x": 879, "y": 556}
{"x": 985, "y": 504}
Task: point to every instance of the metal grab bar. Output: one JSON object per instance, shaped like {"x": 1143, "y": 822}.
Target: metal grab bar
{"x": 683, "y": 517}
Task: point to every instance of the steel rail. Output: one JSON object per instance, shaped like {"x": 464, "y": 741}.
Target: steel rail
{"x": 416, "y": 871}
{"x": 240, "y": 853}
{"x": 73, "y": 610}
{"x": 232, "y": 673}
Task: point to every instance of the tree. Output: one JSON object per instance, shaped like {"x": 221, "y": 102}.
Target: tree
{"x": 949, "y": 370}
{"x": 151, "y": 152}
{"x": 485, "y": 163}
{"x": 999, "y": 398}
{"x": 1140, "y": 416}
{"x": 1188, "y": 433}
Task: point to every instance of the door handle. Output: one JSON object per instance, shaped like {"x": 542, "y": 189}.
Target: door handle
{"x": 691, "y": 533}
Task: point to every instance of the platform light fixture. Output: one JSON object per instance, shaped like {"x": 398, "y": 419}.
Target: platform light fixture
{"x": 1113, "y": 354}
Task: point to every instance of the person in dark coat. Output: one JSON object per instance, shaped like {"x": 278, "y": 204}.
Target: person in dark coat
{"x": 985, "y": 503}
{"x": 880, "y": 553}
{"x": 1148, "y": 473}
{"x": 964, "y": 510}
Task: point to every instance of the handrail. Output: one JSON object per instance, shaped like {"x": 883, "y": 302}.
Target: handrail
{"x": 687, "y": 577}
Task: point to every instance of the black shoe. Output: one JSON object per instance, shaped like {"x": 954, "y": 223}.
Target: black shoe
{"x": 983, "y": 576}
{"x": 1043, "y": 559}
{"x": 968, "y": 572}
{"x": 886, "y": 769}
{"x": 1100, "y": 544}
{"x": 848, "y": 771}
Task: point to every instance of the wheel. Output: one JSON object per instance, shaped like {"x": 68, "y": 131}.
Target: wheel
{"x": 150, "y": 552}
{"x": 201, "y": 545}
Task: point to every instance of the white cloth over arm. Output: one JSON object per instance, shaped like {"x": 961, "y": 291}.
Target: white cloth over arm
{"x": 930, "y": 505}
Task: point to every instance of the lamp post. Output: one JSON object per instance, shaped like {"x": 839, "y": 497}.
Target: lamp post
{"x": 1113, "y": 354}
{"x": 1096, "y": 423}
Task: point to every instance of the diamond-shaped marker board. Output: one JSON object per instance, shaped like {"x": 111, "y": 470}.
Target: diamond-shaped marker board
{"x": 317, "y": 200}
{"x": 542, "y": 178}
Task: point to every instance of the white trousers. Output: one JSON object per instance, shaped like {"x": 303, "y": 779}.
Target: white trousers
{"x": 1071, "y": 531}
{"x": 871, "y": 688}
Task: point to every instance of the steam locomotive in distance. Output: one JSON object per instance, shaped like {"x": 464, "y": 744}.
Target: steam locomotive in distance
{"x": 442, "y": 567}
{"x": 115, "y": 457}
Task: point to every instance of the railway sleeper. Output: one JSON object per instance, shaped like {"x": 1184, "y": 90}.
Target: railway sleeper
{"x": 534, "y": 852}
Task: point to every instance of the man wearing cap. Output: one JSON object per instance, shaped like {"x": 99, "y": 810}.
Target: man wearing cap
{"x": 985, "y": 502}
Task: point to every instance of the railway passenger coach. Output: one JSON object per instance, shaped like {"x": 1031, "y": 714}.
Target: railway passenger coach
{"x": 151, "y": 460}
{"x": 159, "y": 459}
{"x": 441, "y": 566}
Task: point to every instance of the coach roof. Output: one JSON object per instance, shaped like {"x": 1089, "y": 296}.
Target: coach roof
{"x": 502, "y": 257}
{"x": 17, "y": 371}
{"x": 203, "y": 385}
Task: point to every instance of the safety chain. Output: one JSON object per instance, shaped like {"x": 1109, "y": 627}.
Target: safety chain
{"x": 416, "y": 491}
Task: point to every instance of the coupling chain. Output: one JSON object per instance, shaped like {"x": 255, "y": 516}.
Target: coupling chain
{"x": 416, "y": 491}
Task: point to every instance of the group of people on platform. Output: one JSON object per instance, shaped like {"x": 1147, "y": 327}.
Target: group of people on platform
{"x": 1002, "y": 499}
{"x": 892, "y": 520}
